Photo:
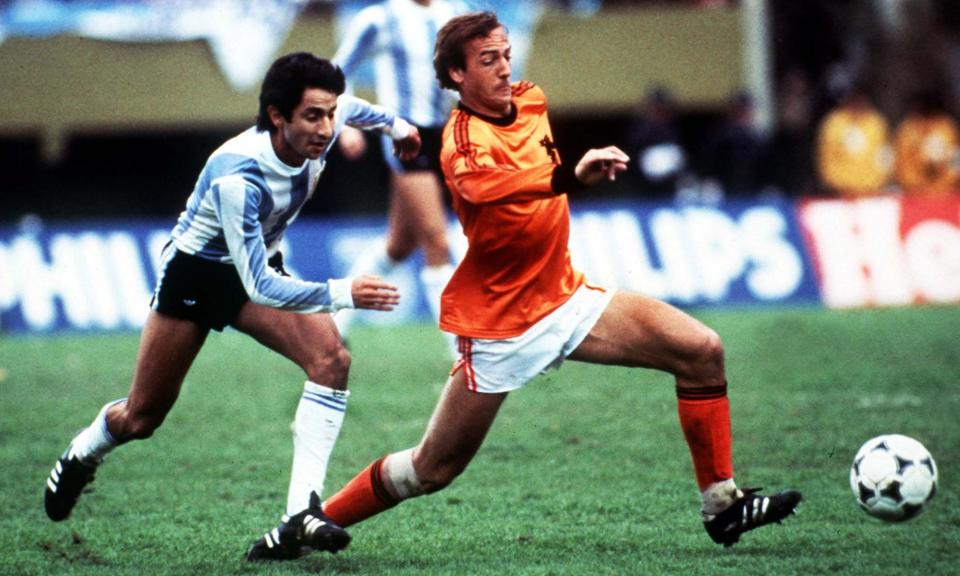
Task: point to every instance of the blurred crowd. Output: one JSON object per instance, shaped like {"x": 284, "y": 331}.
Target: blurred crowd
{"x": 863, "y": 103}
{"x": 835, "y": 143}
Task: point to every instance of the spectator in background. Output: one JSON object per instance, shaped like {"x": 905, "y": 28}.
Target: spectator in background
{"x": 654, "y": 143}
{"x": 854, "y": 158}
{"x": 926, "y": 149}
{"x": 789, "y": 165}
{"x": 733, "y": 156}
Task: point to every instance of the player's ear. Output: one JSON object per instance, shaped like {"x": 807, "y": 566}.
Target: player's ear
{"x": 276, "y": 117}
{"x": 456, "y": 75}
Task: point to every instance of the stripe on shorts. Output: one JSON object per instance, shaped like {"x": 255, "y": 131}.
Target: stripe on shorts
{"x": 466, "y": 362}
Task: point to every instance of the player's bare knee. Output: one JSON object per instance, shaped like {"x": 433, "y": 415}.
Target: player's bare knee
{"x": 705, "y": 359}
{"x": 330, "y": 367}
{"x": 712, "y": 349}
{"x": 434, "y": 238}
{"x": 400, "y": 245}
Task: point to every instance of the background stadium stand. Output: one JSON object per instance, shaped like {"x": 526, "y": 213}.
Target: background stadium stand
{"x": 97, "y": 129}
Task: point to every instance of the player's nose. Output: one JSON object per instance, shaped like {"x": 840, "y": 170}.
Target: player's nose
{"x": 325, "y": 128}
{"x": 505, "y": 67}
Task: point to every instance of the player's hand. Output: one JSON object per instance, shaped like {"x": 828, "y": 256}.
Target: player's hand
{"x": 408, "y": 148}
{"x": 352, "y": 143}
{"x": 601, "y": 164}
{"x": 373, "y": 293}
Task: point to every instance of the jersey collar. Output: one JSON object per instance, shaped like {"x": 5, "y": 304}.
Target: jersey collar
{"x": 496, "y": 121}
{"x": 270, "y": 157}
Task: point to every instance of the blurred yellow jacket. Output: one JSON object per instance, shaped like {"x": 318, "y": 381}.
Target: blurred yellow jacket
{"x": 927, "y": 155}
{"x": 853, "y": 152}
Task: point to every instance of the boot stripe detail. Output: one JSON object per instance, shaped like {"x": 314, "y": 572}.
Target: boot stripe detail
{"x": 753, "y": 513}
{"x": 272, "y": 538}
{"x": 311, "y": 524}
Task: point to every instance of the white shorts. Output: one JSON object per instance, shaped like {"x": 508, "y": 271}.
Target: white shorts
{"x": 502, "y": 365}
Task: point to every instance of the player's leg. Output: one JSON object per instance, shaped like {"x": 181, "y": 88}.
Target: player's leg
{"x": 635, "y": 330}
{"x": 401, "y": 240}
{"x": 168, "y": 347}
{"x": 638, "y": 331}
{"x": 418, "y": 216}
{"x": 378, "y": 259}
{"x": 459, "y": 424}
{"x": 312, "y": 342}
{"x": 417, "y": 213}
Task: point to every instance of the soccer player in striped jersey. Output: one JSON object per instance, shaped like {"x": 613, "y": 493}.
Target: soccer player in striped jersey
{"x": 398, "y": 37}
{"x": 223, "y": 267}
{"x": 519, "y": 307}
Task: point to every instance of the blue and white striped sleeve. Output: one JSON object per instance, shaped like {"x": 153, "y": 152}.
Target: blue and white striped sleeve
{"x": 236, "y": 203}
{"x": 361, "y": 114}
{"x": 358, "y": 40}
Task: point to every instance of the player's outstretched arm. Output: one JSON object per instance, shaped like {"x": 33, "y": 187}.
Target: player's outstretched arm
{"x": 373, "y": 293}
{"x": 601, "y": 163}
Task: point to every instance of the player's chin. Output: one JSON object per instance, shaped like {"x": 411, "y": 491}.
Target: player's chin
{"x": 314, "y": 151}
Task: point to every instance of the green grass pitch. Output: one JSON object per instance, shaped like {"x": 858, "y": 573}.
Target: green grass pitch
{"x": 585, "y": 471}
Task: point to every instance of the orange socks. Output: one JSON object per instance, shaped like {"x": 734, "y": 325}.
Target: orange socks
{"x": 363, "y": 496}
{"x": 705, "y": 419}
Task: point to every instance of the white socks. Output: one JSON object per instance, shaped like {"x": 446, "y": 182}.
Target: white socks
{"x": 315, "y": 430}
{"x": 717, "y": 497}
{"x": 434, "y": 279}
{"x": 95, "y": 441}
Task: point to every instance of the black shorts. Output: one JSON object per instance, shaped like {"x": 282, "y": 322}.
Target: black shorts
{"x": 429, "y": 157}
{"x": 207, "y": 293}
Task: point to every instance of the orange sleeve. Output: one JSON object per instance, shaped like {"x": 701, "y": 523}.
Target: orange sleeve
{"x": 475, "y": 174}
{"x": 486, "y": 183}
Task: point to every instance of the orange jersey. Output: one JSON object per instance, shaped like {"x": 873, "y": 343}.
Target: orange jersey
{"x": 517, "y": 267}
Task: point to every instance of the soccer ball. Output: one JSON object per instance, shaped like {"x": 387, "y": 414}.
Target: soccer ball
{"x": 893, "y": 477}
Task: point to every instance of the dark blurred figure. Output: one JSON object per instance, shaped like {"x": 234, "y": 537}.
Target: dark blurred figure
{"x": 653, "y": 141}
{"x": 789, "y": 168}
{"x": 926, "y": 148}
{"x": 733, "y": 156}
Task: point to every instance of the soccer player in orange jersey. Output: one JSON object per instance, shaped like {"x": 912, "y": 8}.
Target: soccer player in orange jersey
{"x": 519, "y": 307}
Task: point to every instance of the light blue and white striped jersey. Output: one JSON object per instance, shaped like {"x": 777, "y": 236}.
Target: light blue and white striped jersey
{"x": 399, "y": 36}
{"x": 246, "y": 197}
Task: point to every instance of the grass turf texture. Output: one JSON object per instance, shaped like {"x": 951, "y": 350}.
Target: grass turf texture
{"x": 585, "y": 471}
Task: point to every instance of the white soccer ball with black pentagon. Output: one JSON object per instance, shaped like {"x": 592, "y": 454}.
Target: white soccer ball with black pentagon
{"x": 893, "y": 477}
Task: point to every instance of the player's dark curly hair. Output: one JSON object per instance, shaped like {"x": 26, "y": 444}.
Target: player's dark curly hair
{"x": 449, "y": 50}
{"x": 288, "y": 77}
